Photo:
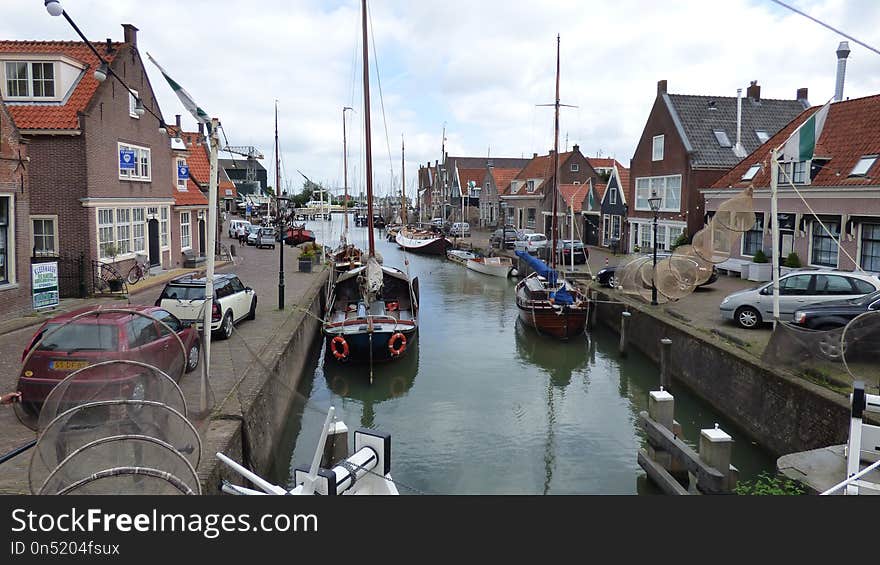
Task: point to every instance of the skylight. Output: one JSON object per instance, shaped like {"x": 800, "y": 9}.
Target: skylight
{"x": 722, "y": 138}
{"x": 864, "y": 164}
{"x": 753, "y": 170}
{"x": 762, "y": 135}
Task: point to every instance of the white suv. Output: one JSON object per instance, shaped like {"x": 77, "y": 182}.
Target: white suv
{"x": 185, "y": 296}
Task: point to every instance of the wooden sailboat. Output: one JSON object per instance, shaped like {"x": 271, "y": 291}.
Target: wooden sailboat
{"x": 347, "y": 256}
{"x": 372, "y": 309}
{"x": 546, "y": 301}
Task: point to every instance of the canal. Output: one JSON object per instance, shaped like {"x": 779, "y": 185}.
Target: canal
{"x": 484, "y": 405}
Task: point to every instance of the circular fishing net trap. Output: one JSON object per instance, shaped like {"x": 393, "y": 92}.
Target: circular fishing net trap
{"x": 110, "y": 393}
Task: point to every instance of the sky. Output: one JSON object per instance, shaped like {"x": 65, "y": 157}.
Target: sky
{"x": 477, "y": 68}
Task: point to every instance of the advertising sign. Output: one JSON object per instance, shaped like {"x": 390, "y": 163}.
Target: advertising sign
{"x": 127, "y": 159}
{"x": 44, "y": 284}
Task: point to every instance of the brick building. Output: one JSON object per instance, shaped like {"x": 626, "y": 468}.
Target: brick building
{"x": 15, "y": 235}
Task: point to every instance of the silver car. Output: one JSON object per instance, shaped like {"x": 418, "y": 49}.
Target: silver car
{"x": 752, "y": 307}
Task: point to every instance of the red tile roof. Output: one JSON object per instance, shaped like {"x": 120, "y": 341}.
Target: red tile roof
{"x": 578, "y": 192}
{"x": 467, "y": 175}
{"x": 199, "y": 163}
{"x": 852, "y": 130}
{"x": 623, "y": 174}
{"x": 190, "y": 197}
{"x": 600, "y": 193}
{"x": 541, "y": 167}
{"x": 57, "y": 116}
{"x": 602, "y": 162}
{"x": 503, "y": 177}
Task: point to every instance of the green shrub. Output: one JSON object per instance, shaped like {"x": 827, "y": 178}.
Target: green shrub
{"x": 760, "y": 257}
{"x": 766, "y": 484}
{"x": 793, "y": 260}
{"x": 681, "y": 240}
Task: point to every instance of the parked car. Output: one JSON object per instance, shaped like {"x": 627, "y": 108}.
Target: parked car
{"x": 64, "y": 345}
{"x": 608, "y": 276}
{"x": 837, "y": 313}
{"x": 233, "y": 302}
{"x": 566, "y": 247}
{"x": 531, "y": 242}
{"x": 233, "y": 227}
{"x": 460, "y": 229}
{"x": 749, "y": 308}
{"x": 504, "y": 237}
{"x": 253, "y": 232}
{"x": 265, "y": 238}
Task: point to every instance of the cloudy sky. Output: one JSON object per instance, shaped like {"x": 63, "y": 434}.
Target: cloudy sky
{"x": 479, "y": 67}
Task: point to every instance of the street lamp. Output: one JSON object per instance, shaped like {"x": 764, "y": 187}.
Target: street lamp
{"x": 280, "y": 225}
{"x": 654, "y": 203}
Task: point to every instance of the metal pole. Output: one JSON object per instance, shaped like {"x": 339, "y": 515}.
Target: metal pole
{"x": 209, "y": 274}
{"x": 654, "y": 272}
{"x": 403, "y": 215}
{"x": 555, "y": 160}
{"x": 345, "y": 175}
{"x": 278, "y": 211}
{"x": 774, "y": 219}
{"x": 369, "y": 154}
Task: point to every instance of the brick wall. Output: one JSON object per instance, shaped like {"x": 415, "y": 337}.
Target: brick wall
{"x": 15, "y": 299}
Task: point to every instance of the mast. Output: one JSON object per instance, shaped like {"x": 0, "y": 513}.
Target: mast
{"x": 278, "y": 214}
{"x": 369, "y": 155}
{"x": 403, "y": 213}
{"x": 555, "y": 160}
{"x": 345, "y": 176}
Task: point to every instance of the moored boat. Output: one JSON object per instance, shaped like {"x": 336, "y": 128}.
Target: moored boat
{"x": 459, "y": 256}
{"x": 549, "y": 303}
{"x": 427, "y": 242}
{"x": 493, "y": 266}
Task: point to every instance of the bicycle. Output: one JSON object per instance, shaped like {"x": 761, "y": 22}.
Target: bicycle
{"x": 139, "y": 270}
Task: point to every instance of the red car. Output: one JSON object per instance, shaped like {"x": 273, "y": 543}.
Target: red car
{"x": 297, "y": 234}
{"x": 105, "y": 337}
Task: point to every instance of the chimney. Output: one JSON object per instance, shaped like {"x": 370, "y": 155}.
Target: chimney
{"x": 576, "y": 148}
{"x": 842, "y": 54}
{"x": 201, "y": 128}
{"x": 802, "y": 96}
{"x": 109, "y": 48}
{"x": 661, "y": 87}
{"x": 131, "y": 34}
{"x": 534, "y": 155}
{"x": 754, "y": 91}
{"x": 177, "y": 121}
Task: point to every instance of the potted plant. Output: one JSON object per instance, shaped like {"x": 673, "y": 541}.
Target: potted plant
{"x": 759, "y": 270}
{"x": 791, "y": 263}
{"x": 114, "y": 283}
{"x": 306, "y": 257}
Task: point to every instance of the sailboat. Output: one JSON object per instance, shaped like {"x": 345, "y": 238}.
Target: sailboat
{"x": 347, "y": 256}
{"x": 546, "y": 301}
{"x": 372, "y": 310}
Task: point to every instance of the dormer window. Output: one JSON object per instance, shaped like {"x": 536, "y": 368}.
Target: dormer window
{"x": 575, "y": 167}
{"x": 863, "y": 166}
{"x": 30, "y": 80}
{"x": 530, "y": 186}
{"x": 750, "y": 174}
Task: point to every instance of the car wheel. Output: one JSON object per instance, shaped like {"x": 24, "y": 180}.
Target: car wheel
{"x": 829, "y": 346}
{"x": 252, "y": 315}
{"x": 226, "y": 327}
{"x": 192, "y": 356}
{"x": 613, "y": 282}
{"x": 747, "y": 317}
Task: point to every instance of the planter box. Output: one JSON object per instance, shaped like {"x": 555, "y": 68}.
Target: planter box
{"x": 783, "y": 270}
{"x": 760, "y": 272}
{"x": 305, "y": 265}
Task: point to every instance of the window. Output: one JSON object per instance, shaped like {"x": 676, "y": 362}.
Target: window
{"x": 615, "y": 227}
{"x": 668, "y": 188}
{"x": 824, "y": 251}
{"x": 185, "y": 240}
{"x": 797, "y": 176}
{"x": 575, "y": 167}
{"x": 163, "y": 227}
{"x": 753, "y": 170}
{"x": 834, "y": 285}
{"x": 721, "y": 137}
{"x": 762, "y": 136}
{"x": 237, "y": 285}
{"x": 657, "y": 148}
{"x": 606, "y": 229}
{"x": 863, "y": 166}
{"x": 661, "y": 238}
{"x": 530, "y": 217}
{"x": 43, "y": 80}
{"x": 181, "y": 183}
{"x": 6, "y": 239}
{"x": 796, "y": 285}
{"x": 645, "y": 234}
{"x": 106, "y": 237}
{"x": 169, "y": 320}
{"x": 17, "y": 79}
{"x": 612, "y": 198}
{"x": 132, "y": 104}
{"x": 870, "y": 259}
{"x": 530, "y": 187}
{"x": 123, "y": 231}
{"x": 141, "y": 331}
{"x": 674, "y": 234}
{"x": 753, "y": 240}
{"x": 141, "y": 170}
{"x": 138, "y": 225}
{"x": 45, "y": 235}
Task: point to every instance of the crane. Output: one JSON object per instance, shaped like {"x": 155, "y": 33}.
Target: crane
{"x": 252, "y": 154}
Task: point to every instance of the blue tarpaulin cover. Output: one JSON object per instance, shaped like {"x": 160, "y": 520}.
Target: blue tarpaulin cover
{"x": 561, "y": 296}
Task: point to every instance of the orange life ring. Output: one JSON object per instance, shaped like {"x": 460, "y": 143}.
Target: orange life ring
{"x": 393, "y": 344}
{"x": 339, "y": 354}
{"x": 392, "y": 306}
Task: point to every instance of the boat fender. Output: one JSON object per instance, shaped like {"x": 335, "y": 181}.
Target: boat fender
{"x": 397, "y": 344}
{"x": 339, "y": 347}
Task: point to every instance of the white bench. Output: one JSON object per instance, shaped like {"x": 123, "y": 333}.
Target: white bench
{"x": 732, "y": 265}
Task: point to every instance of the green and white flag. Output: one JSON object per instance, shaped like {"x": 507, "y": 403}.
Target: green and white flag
{"x": 187, "y": 101}
{"x": 590, "y": 201}
{"x": 802, "y": 143}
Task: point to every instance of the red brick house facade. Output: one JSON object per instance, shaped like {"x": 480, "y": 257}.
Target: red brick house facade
{"x": 15, "y": 236}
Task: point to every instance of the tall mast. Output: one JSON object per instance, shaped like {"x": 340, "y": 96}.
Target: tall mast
{"x": 403, "y": 181}
{"x": 345, "y": 174}
{"x": 555, "y": 160}
{"x": 369, "y": 155}
{"x": 278, "y": 214}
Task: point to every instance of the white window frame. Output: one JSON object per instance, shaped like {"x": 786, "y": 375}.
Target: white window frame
{"x": 138, "y": 226}
{"x": 612, "y": 198}
{"x": 575, "y": 167}
{"x": 54, "y": 220}
{"x": 646, "y": 192}
{"x": 105, "y": 225}
{"x": 790, "y": 170}
{"x": 810, "y": 244}
{"x": 11, "y": 244}
{"x": 181, "y": 183}
{"x": 132, "y": 104}
{"x": 140, "y": 166}
{"x": 29, "y": 80}
{"x": 761, "y": 224}
{"x": 616, "y": 227}
{"x": 751, "y": 172}
{"x": 869, "y": 160}
{"x": 164, "y": 234}
{"x": 860, "y": 246}
{"x": 123, "y": 226}
{"x": 657, "y": 146}
{"x": 606, "y": 229}
{"x": 531, "y": 186}
{"x": 185, "y": 235}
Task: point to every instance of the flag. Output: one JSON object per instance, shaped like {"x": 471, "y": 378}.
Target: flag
{"x": 590, "y": 200}
{"x": 802, "y": 143}
{"x": 187, "y": 101}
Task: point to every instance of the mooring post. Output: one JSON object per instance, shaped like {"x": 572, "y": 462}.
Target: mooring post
{"x": 715, "y": 450}
{"x": 336, "y": 447}
{"x": 623, "y": 317}
{"x": 591, "y": 318}
{"x": 665, "y": 346}
{"x": 661, "y": 407}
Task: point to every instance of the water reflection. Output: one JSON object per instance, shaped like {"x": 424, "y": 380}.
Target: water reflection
{"x": 559, "y": 359}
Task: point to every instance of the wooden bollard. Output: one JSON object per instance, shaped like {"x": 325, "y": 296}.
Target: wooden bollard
{"x": 665, "y": 347}
{"x": 715, "y": 450}
{"x": 591, "y": 316}
{"x": 623, "y": 317}
{"x": 336, "y": 447}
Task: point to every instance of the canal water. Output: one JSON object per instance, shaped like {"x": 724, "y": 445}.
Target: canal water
{"x": 483, "y": 405}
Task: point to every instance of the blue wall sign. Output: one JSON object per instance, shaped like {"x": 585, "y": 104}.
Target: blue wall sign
{"x": 127, "y": 159}
{"x": 182, "y": 172}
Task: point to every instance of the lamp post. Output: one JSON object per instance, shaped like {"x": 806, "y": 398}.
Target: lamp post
{"x": 654, "y": 203}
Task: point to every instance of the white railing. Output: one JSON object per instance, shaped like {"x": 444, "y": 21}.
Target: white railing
{"x": 852, "y": 479}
